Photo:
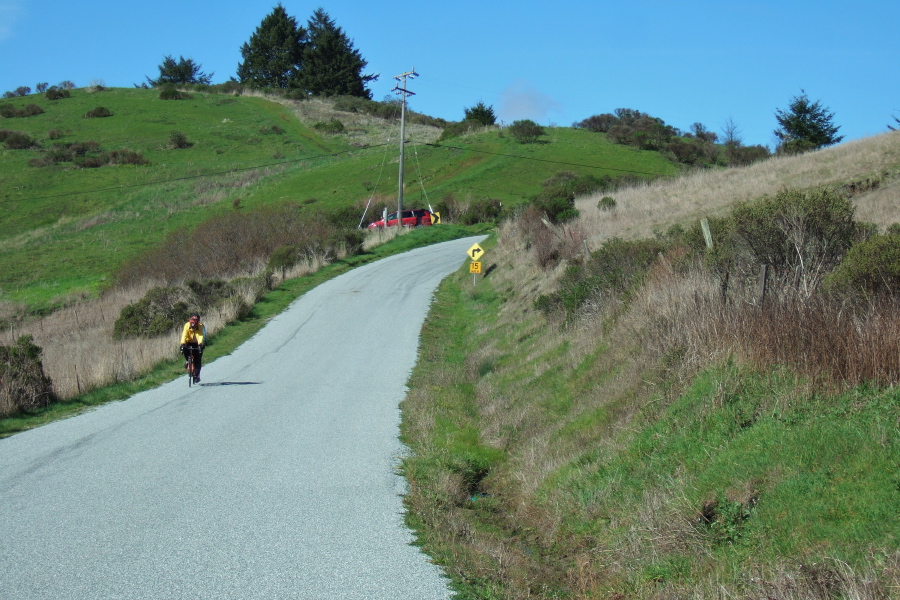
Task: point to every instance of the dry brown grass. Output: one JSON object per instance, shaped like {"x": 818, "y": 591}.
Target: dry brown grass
{"x": 642, "y": 209}
{"x": 359, "y": 129}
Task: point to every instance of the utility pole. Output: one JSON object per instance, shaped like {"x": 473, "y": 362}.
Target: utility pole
{"x": 404, "y": 93}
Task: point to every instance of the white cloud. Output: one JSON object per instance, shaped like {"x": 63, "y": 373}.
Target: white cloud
{"x": 10, "y": 12}
{"x": 521, "y": 100}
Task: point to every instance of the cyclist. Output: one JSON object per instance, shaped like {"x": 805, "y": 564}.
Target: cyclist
{"x": 192, "y": 337}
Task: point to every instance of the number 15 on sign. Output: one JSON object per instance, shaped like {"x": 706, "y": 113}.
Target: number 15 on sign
{"x": 475, "y": 269}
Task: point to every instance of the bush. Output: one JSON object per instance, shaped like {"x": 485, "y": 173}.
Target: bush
{"x": 610, "y": 275}
{"x": 55, "y": 134}
{"x": 333, "y": 127}
{"x": 809, "y": 230}
{"x": 452, "y": 130}
{"x": 177, "y": 140}
{"x": 169, "y": 92}
{"x": 738, "y": 156}
{"x": 557, "y": 199}
{"x": 126, "y": 157}
{"x": 42, "y": 87}
{"x": 870, "y": 268}
{"x": 526, "y": 131}
{"x": 23, "y": 385}
{"x": 597, "y": 123}
{"x": 97, "y": 113}
{"x": 56, "y": 93}
{"x": 159, "y": 312}
{"x": 9, "y": 111}
{"x": 16, "y": 140}
{"x": 606, "y": 203}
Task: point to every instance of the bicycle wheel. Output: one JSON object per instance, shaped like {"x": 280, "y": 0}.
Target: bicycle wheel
{"x": 190, "y": 369}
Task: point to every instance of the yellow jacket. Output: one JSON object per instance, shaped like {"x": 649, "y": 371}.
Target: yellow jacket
{"x": 193, "y": 336}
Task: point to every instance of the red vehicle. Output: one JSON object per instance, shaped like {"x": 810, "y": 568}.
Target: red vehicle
{"x": 411, "y": 218}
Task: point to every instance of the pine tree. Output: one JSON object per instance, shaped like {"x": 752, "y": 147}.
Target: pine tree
{"x": 480, "y": 113}
{"x": 272, "y": 57}
{"x": 183, "y": 71}
{"x": 805, "y": 126}
{"x": 331, "y": 65}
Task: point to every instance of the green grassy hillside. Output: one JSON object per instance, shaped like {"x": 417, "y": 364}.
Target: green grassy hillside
{"x": 65, "y": 230}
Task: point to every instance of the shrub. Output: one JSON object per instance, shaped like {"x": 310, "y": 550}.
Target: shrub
{"x": 23, "y": 385}
{"x": 159, "y": 312}
{"x": 126, "y": 157}
{"x": 16, "y": 140}
{"x": 55, "y": 93}
{"x": 9, "y": 111}
{"x": 42, "y": 87}
{"x": 452, "y": 130}
{"x": 23, "y": 90}
{"x": 169, "y": 92}
{"x": 606, "y": 203}
{"x": 610, "y": 275}
{"x": 276, "y": 130}
{"x": 97, "y": 113}
{"x": 333, "y": 127}
{"x": 177, "y": 140}
{"x": 557, "y": 199}
{"x": 469, "y": 211}
{"x": 738, "y": 156}
{"x": 870, "y": 268}
{"x": 66, "y": 85}
{"x": 55, "y": 134}
{"x": 597, "y": 123}
{"x": 526, "y": 131}
{"x": 31, "y": 110}
{"x": 810, "y": 230}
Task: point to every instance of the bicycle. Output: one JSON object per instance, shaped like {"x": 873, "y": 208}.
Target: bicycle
{"x": 189, "y": 364}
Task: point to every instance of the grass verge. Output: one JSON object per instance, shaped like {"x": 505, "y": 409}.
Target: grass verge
{"x": 546, "y": 462}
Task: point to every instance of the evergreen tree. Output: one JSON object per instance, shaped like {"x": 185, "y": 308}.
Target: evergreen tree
{"x": 331, "y": 65}
{"x": 272, "y": 57}
{"x": 805, "y": 126}
{"x": 481, "y": 114}
{"x": 183, "y": 71}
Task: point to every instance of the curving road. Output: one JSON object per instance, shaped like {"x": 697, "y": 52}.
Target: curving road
{"x": 276, "y": 478}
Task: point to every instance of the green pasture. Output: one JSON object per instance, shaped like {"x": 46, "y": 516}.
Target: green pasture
{"x": 66, "y": 230}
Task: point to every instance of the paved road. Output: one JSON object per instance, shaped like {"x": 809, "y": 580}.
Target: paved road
{"x": 276, "y": 478}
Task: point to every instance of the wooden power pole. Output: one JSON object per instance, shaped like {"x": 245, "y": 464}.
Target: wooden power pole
{"x": 403, "y": 93}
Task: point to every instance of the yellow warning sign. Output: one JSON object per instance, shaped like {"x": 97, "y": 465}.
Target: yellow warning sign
{"x": 475, "y": 252}
{"x": 475, "y": 267}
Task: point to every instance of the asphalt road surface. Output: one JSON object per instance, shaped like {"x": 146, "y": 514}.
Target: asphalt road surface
{"x": 275, "y": 478}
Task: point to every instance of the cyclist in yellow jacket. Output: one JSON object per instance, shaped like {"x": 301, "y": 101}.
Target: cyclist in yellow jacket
{"x": 192, "y": 337}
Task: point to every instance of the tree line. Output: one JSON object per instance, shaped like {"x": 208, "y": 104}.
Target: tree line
{"x": 318, "y": 59}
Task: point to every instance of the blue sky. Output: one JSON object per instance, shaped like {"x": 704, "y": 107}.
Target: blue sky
{"x": 555, "y": 63}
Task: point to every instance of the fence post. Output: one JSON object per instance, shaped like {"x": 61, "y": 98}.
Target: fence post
{"x": 707, "y": 234}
